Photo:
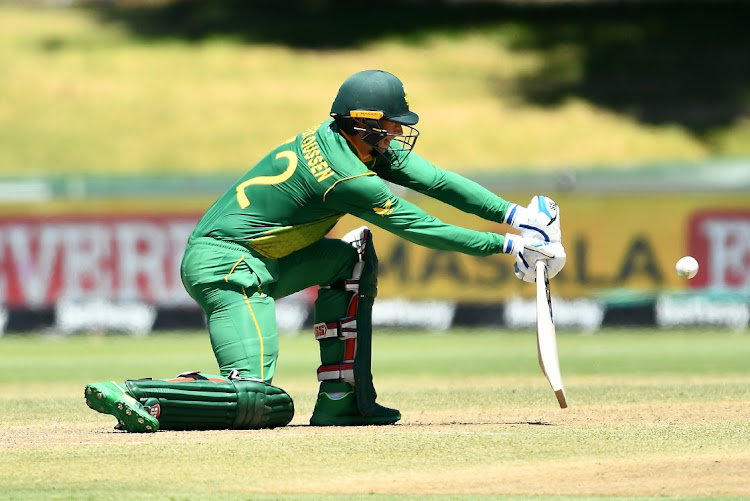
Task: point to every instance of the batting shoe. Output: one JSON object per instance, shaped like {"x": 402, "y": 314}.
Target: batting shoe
{"x": 339, "y": 408}
{"x": 113, "y": 398}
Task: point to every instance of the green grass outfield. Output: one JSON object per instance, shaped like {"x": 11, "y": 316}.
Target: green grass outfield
{"x": 653, "y": 415}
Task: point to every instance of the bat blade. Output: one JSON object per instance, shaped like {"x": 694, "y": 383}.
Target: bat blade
{"x": 546, "y": 338}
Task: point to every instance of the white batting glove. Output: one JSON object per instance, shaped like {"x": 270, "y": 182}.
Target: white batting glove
{"x": 541, "y": 219}
{"x": 529, "y": 250}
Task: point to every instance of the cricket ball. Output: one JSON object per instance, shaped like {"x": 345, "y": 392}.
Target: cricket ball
{"x": 687, "y": 267}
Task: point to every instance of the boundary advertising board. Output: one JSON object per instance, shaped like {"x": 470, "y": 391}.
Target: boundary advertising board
{"x": 131, "y": 251}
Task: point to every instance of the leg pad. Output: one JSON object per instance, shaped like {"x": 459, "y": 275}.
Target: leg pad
{"x": 346, "y": 341}
{"x": 200, "y": 403}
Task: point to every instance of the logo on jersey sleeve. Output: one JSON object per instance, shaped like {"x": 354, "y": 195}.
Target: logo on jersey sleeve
{"x": 384, "y": 211}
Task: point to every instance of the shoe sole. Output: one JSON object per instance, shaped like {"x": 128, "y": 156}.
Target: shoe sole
{"x": 128, "y": 412}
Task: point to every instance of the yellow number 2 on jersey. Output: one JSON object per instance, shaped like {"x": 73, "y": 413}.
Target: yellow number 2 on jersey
{"x": 290, "y": 156}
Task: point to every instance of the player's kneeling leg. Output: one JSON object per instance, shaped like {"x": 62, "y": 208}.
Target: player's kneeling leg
{"x": 194, "y": 401}
{"x": 347, "y": 394}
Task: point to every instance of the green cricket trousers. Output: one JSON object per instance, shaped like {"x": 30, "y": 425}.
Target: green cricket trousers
{"x": 237, "y": 288}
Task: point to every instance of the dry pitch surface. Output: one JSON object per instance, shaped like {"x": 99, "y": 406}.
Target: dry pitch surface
{"x": 633, "y": 436}
{"x": 709, "y": 474}
{"x": 510, "y": 451}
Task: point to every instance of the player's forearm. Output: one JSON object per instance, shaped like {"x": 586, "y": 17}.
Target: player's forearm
{"x": 462, "y": 240}
{"x": 468, "y": 196}
{"x": 369, "y": 199}
{"x": 428, "y": 231}
{"x": 450, "y": 188}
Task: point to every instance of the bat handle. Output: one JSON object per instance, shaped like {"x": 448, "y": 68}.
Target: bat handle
{"x": 541, "y": 268}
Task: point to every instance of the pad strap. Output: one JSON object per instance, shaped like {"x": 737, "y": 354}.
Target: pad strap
{"x": 337, "y": 372}
{"x": 352, "y": 284}
{"x": 346, "y": 328}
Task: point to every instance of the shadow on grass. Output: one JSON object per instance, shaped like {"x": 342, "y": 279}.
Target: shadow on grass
{"x": 664, "y": 62}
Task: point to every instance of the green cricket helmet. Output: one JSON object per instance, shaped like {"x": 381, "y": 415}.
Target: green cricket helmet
{"x": 366, "y": 98}
{"x": 374, "y": 91}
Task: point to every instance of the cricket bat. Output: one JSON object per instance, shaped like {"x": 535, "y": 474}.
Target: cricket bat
{"x": 546, "y": 339}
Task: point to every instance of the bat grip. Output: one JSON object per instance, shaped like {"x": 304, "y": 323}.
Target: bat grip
{"x": 541, "y": 268}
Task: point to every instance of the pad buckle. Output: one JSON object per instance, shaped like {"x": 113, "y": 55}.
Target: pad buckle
{"x": 346, "y": 328}
{"x": 352, "y": 284}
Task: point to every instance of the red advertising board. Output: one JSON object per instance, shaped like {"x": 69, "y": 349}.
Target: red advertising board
{"x": 720, "y": 241}
{"x": 612, "y": 242}
{"x": 81, "y": 257}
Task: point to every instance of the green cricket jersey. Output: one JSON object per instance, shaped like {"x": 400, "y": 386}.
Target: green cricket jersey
{"x": 298, "y": 192}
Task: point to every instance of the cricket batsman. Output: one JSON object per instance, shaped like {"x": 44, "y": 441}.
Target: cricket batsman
{"x": 265, "y": 239}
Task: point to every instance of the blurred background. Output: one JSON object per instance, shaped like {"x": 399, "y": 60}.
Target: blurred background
{"x": 122, "y": 121}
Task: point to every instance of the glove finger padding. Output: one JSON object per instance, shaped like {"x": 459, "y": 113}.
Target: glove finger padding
{"x": 534, "y": 247}
{"x": 556, "y": 263}
{"x": 541, "y": 219}
{"x": 523, "y": 274}
{"x": 553, "y": 253}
